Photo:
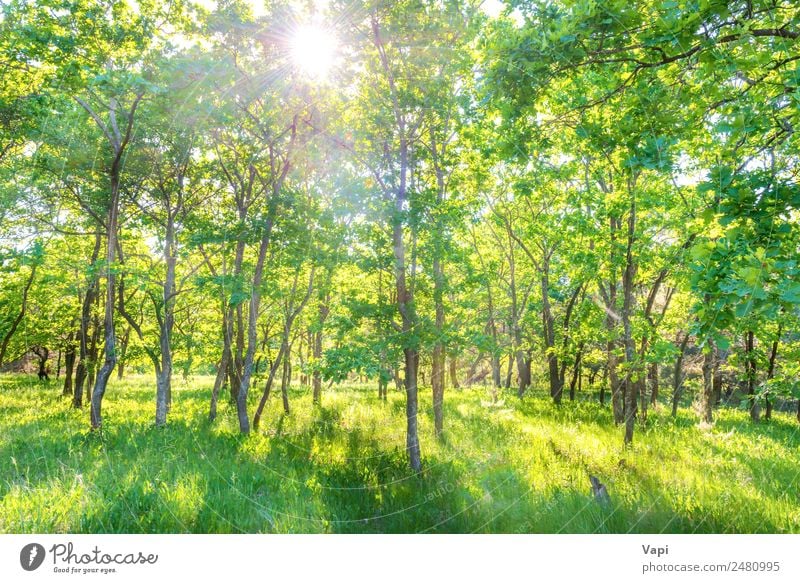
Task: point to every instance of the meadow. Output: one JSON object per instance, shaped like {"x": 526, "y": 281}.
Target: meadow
{"x": 511, "y": 467}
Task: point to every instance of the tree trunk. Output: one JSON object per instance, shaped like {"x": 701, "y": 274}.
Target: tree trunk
{"x": 218, "y": 382}
{"x": 644, "y": 397}
{"x": 717, "y": 380}
{"x": 438, "y": 357}
{"x": 322, "y": 315}
{"x": 773, "y": 355}
{"x": 285, "y": 352}
{"x": 653, "y": 379}
{"x": 576, "y": 371}
{"x": 522, "y": 377}
{"x": 110, "y": 342}
{"x": 677, "y": 376}
{"x": 632, "y": 380}
{"x": 119, "y": 143}
{"x": 252, "y": 339}
{"x": 496, "y": 376}
{"x": 224, "y": 362}
{"x": 167, "y": 323}
{"x": 20, "y": 315}
{"x": 234, "y": 342}
{"x": 383, "y": 385}
{"x": 286, "y": 379}
{"x": 316, "y": 379}
{"x": 408, "y": 317}
{"x": 268, "y": 387}
{"x": 412, "y": 439}
{"x": 94, "y": 350}
{"x": 437, "y": 382}
{"x": 453, "y": 365}
{"x": 405, "y": 295}
{"x": 602, "y": 396}
{"x": 83, "y": 332}
{"x": 43, "y": 354}
{"x": 750, "y": 363}
{"x": 123, "y": 351}
{"x": 69, "y": 365}
{"x": 708, "y": 384}
{"x": 617, "y": 393}
{"x": 554, "y": 374}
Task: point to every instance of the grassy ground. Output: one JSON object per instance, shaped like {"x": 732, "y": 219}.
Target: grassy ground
{"x": 517, "y": 467}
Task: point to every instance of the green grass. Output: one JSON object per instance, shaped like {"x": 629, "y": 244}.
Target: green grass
{"x": 518, "y": 467}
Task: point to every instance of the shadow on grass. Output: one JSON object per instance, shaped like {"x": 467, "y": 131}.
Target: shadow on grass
{"x": 311, "y": 472}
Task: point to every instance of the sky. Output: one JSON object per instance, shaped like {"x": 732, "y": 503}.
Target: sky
{"x": 490, "y": 7}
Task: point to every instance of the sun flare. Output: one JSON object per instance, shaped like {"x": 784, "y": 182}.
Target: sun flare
{"x": 313, "y": 51}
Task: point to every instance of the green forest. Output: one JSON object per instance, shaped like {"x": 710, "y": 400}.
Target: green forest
{"x": 368, "y": 266}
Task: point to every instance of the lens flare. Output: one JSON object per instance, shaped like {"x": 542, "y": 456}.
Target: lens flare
{"x": 313, "y": 51}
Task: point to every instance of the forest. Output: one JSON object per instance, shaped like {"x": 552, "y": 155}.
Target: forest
{"x": 399, "y": 266}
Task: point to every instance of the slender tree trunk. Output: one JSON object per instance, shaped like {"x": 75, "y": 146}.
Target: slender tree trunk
{"x": 43, "y": 354}
{"x": 20, "y": 315}
{"x": 268, "y": 387}
{"x": 224, "y": 362}
{"x": 707, "y": 404}
{"x": 453, "y": 362}
{"x": 382, "y": 387}
{"x": 522, "y": 376}
{"x": 123, "y": 352}
{"x": 69, "y": 365}
{"x": 303, "y": 379}
{"x": 616, "y": 387}
{"x": 677, "y": 376}
{"x": 411, "y": 357}
{"x": 247, "y": 369}
{"x": 750, "y": 363}
{"x": 438, "y": 357}
{"x": 110, "y": 342}
{"x": 644, "y": 397}
{"x": 773, "y": 355}
{"x": 653, "y": 379}
{"x": 496, "y": 372}
{"x": 437, "y": 382}
{"x": 496, "y": 380}
{"x": 322, "y": 315}
{"x": 405, "y": 295}
{"x": 576, "y": 371}
{"x": 167, "y": 322}
{"x": 632, "y": 382}
{"x": 83, "y": 332}
{"x": 285, "y": 353}
{"x": 219, "y": 380}
{"x": 234, "y": 341}
{"x": 602, "y": 386}
{"x": 554, "y": 373}
{"x": 437, "y": 152}
{"x": 408, "y": 317}
{"x": 286, "y": 379}
{"x": 317, "y": 375}
{"x": 119, "y": 143}
{"x": 717, "y": 377}
{"x": 94, "y": 350}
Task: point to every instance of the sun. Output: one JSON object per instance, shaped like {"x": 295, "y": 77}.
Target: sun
{"x": 313, "y": 51}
